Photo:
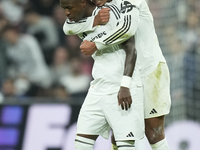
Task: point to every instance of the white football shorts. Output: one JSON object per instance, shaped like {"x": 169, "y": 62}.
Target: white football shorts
{"x": 99, "y": 113}
{"x": 157, "y": 100}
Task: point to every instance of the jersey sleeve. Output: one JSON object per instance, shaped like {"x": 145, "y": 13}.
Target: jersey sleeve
{"x": 129, "y": 13}
{"x": 84, "y": 25}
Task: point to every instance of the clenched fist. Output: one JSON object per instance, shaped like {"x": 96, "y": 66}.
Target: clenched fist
{"x": 102, "y": 17}
{"x": 88, "y": 48}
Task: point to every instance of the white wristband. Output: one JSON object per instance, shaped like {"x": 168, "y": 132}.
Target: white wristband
{"x": 126, "y": 81}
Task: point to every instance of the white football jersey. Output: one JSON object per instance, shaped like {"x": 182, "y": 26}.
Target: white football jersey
{"x": 137, "y": 20}
{"x": 109, "y": 63}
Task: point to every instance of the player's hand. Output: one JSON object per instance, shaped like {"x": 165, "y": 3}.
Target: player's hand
{"x": 88, "y": 48}
{"x": 102, "y": 17}
{"x": 124, "y": 98}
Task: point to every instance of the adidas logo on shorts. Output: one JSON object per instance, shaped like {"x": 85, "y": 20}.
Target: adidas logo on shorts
{"x": 130, "y": 135}
{"x": 153, "y": 111}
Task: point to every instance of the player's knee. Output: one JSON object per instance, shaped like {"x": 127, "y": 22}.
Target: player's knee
{"x": 125, "y": 145}
{"x": 155, "y": 134}
{"x": 154, "y": 129}
{"x": 82, "y": 143}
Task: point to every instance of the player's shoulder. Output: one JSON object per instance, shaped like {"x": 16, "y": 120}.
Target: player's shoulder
{"x": 114, "y": 2}
{"x": 128, "y": 3}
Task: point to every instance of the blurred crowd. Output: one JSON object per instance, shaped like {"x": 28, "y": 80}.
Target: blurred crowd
{"x": 177, "y": 24}
{"x": 38, "y": 60}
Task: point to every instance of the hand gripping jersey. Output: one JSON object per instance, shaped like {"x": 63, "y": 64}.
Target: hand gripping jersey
{"x": 136, "y": 19}
{"x": 109, "y": 62}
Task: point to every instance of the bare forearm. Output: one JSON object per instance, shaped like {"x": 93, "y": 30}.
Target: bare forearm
{"x": 124, "y": 95}
{"x": 131, "y": 56}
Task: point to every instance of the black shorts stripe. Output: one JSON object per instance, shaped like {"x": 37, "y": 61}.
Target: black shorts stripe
{"x": 83, "y": 142}
{"x": 126, "y": 146}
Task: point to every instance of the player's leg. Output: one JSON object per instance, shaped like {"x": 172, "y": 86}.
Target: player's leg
{"x": 154, "y": 130}
{"x": 114, "y": 144}
{"x": 122, "y": 145}
{"x": 85, "y": 142}
{"x": 126, "y": 145}
{"x": 157, "y": 104}
{"x": 91, "y": 123}
{"x": 126, "y": 125}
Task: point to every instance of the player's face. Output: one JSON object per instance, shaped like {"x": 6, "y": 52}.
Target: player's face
{"x": 10, "y": 36}
{"x": 99, "y": 2}
{"x": 74, "y": 9}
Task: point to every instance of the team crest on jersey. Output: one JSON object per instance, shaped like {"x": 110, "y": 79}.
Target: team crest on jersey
{"x": 126, "y": 6}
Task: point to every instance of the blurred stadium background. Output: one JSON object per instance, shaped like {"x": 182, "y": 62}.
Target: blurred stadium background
{"x": 44, "y": 77}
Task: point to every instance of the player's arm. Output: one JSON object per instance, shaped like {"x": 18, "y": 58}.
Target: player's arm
{"x": 129, "y": 14}
{"x": 126, "y": 29}
{"x": 85, "y": 25}
{"x": 124, "y": 95}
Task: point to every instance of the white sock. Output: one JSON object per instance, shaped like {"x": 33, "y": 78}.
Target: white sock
{"x": 161, "y": 145}
{"x": 82, "y": 143}
{"x": 126, "y": 145}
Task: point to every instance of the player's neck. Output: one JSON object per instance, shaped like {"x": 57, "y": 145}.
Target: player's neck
{"x": 90, "y": 9}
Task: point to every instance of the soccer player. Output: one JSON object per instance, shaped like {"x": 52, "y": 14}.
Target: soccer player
{"x": 100, "y": 110}
{"x": 153, "y": 67}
